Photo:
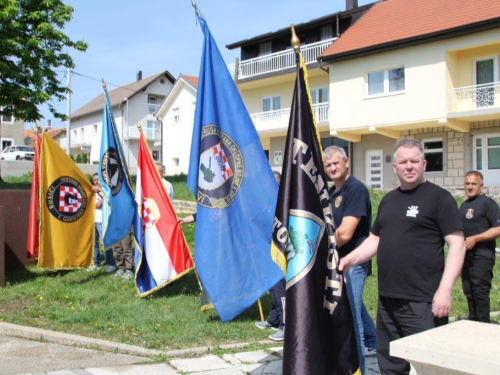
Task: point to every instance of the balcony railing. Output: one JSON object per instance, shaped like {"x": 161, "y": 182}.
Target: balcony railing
{"x": 474, "y": 98}
{"x": 153, "y": 108}
{"x": 271, "y": 120}
{"x": 80, "y": 140}
{"x": 279, "y": 60}
{"x": 131, "y": 132}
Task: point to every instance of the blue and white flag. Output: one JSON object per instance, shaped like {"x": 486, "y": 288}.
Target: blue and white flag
{"x": 118, "y": 204}
{"x": 235, "y": 189}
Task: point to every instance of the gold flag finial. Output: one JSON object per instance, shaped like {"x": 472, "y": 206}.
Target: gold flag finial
{"x": 103, "y": 84}
{"x": 295, "y": 42}
{"x": 139, "y": 126}
{"x": 39, "y": 129}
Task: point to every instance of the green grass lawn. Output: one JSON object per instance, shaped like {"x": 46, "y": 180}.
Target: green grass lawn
{"x": 97, "y": 305}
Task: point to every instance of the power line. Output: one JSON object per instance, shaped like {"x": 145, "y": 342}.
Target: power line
{"x": 107, "y": 83}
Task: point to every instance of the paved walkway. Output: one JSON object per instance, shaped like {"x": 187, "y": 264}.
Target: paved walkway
{"x": 32, "y": 351}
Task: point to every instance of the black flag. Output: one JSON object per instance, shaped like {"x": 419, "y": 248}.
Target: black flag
{"x": 319, "y": 329}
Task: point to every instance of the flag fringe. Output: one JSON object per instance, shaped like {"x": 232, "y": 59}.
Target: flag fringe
{"x": 278, "y": 257}
{"x": 205, "y": 308}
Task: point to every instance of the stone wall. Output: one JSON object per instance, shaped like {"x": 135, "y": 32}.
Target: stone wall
{"x": 18, "y": 168}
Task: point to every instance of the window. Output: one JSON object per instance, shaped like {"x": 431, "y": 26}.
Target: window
{"x": 334, "y": 141}
{"x": 94, "y": 129}
{"x": 271, "y": 103}
{"x": 176, "y": 115}
{"x": 7, "y": 142}
{"x": 175, "y": 162}
{"x": 433, "y": 150}
{"x": 326, "y": 32}
{"x": 7, "y": 118}
{"x": 265, "y": 49}
{"x": 319, "y": 95}
{"x": 152, "y": 100}
{"x": 386, "y": 81}
{"x": 27, "y": 141}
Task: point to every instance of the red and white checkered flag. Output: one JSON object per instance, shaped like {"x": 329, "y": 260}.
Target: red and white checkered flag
{"x": 70, "y": 199}
{"x": 221, "y": 158}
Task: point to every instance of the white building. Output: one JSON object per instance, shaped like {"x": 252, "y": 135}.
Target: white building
{"x": 133, "y": 103}
{"x": 176, "y": 114}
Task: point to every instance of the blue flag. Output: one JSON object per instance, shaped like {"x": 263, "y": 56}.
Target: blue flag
{"x": 235, "y": 189}
{"x": 118, "y": 200}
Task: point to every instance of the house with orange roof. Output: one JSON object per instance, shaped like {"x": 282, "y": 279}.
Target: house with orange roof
{"x": 266, "y": 70}
{"x": 427, "y": 70}
{"x": 135, "y": 102}
{"x": 57, "y": 134}
{"x": 176, "y": 115}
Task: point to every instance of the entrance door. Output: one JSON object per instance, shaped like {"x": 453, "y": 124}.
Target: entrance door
{"x": 485, "y": 75}
{"x": 486, "y": 157}
{"x": 374, "y": 171}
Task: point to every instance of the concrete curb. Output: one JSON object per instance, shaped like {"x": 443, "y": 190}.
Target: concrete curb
{"x": 37, "y": 334}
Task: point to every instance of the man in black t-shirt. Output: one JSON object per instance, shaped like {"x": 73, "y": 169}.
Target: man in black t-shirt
{"x": 352, "y": 215}
{"x": 408, "y": 236}
{"x": 481, "y": 220}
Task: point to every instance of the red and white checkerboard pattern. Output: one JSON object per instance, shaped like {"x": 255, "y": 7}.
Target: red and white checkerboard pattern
{"x": 225, "y": 168}
{"x": 72, "y": 206}
{"x": 148, "y": 218}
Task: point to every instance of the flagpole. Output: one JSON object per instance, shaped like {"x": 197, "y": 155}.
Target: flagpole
{"x": 260, "y": 310}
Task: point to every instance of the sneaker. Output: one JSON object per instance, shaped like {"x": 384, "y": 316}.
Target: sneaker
{"x": 93, "y": 268}
{"x": 118, "y": 273}
{"x": 264, "y": 325}
{"x": 127, "y": 275}
{"x": 370, "y": 352}
{"x": 279, "y": 335}
{"x": 110, "y": 269}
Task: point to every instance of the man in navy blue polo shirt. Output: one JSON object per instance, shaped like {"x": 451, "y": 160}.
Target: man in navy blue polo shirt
{"x": 352, "y": 211}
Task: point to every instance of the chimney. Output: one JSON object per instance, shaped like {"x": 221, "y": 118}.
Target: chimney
{"x": 139, "y": 75}
{"x": 49, "y": 123}
{"x": 351, "y": 4}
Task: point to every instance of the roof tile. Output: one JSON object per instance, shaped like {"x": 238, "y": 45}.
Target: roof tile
{"x": 395, "y": 20}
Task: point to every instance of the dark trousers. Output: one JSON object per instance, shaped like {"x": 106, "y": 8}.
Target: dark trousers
{"x": 477, "y": 274}
{"x": 124, "y": 254}
{"x": 398, "y": 318}
{"x": 277, "y": 315}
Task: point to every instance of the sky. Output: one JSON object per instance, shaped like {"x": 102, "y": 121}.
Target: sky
{"x": 152, "y": 36}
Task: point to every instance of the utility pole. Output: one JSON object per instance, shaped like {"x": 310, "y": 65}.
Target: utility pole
{"x": 68, "y": 113}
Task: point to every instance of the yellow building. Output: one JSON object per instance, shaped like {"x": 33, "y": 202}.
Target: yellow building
{"x": 266, "y": 73}
{"x": 426, "y": 69}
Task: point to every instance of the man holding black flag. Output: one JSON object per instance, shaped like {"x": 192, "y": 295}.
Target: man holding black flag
{"x": 319, "y": 335}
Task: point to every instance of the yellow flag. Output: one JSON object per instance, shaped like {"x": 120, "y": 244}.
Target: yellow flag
{"x": 66, "y": 211}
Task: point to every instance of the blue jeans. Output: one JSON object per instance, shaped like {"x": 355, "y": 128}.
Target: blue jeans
{"x": 108, "y": 254}
{"x": 363, "y": 323}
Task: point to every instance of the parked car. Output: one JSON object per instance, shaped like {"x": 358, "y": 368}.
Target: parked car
{"x": 18, "y": 153}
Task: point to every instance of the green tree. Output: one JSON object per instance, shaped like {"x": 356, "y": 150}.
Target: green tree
{"x": 79, "y": 158}
{"x": 84, "y": 158}
{"x": 32, "y": 46}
